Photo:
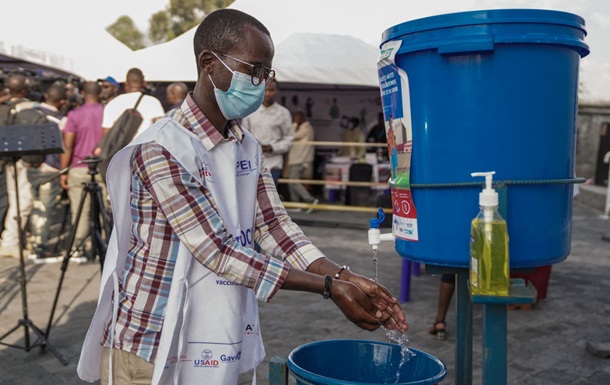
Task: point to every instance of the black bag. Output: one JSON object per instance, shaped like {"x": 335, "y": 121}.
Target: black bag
{"x": 122, "y": 132}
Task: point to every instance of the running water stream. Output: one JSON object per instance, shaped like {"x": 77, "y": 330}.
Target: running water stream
{"x": 394, "y": 335}
{"x": 402, "y": 340}
{"x": 375, "y": 265}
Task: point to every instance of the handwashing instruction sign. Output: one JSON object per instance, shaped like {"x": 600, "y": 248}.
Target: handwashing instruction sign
{"x": 394, "y": 85}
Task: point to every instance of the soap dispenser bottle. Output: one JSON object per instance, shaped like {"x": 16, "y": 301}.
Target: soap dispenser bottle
{"x": 489, "y": 260}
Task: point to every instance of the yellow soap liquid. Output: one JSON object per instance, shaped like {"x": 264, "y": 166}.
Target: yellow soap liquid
{"x": 489, "y": 263}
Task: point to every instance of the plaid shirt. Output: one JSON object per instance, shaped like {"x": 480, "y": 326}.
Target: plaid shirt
{"x": 169, "y": 207}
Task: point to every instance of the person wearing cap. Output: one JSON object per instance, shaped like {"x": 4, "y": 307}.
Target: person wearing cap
{"x": 110, "y": 89}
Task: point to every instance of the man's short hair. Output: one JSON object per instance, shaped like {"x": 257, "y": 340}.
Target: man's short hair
{"x": 223, "y": 29}
{"x": 55, "y": 93}
{"x": 17, "y": 83}
{"x": 135, "y": 74}
{"x": 92, "y": 88}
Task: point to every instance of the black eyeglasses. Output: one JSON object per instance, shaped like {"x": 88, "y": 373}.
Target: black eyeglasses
{"x": 258, "y": 73}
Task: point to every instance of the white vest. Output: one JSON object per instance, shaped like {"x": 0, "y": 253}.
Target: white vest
{"x": 211, "y": 329}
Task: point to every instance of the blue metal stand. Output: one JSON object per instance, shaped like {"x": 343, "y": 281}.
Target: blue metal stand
{"x": 494, "y": 326}
{"x": 278, "y": 371}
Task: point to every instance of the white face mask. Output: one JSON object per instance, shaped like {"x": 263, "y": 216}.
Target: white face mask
{"x": 242, "y": 98}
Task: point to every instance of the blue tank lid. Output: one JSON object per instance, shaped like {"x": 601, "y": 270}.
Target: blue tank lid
{"x": 521, "y": 21}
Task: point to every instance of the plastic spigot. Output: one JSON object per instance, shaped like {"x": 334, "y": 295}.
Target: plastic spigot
{"x": 376, "y": 222}
{"x": 375, "y": 236}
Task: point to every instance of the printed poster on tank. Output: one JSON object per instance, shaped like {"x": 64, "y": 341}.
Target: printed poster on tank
{"x": 394, "y": 85}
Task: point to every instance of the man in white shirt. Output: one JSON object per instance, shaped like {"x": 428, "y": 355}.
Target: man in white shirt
{"x": 149, "y": 107}
{"x": 271, "y": 124}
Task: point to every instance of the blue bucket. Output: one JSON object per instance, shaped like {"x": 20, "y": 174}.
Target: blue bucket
{"x": 354, "y": 362}
{"x": 492, "y": 90}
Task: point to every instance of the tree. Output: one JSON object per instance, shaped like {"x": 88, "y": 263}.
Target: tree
{"x": 159, "y": 24}
{"x": 125, "y": 31}
{"x": 176, "y": 19}
{"x": 180, "y": 16}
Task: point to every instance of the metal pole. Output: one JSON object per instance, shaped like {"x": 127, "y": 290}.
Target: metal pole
{"x": 463, "y": 330}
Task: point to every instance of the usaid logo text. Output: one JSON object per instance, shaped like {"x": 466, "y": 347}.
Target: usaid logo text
{"x": 207, "y": 360}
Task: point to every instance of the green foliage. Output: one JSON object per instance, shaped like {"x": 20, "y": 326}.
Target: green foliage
{"x": 125, "y": 30}
{"x": 159, "y": 24}
{"x": 180, "y": 16}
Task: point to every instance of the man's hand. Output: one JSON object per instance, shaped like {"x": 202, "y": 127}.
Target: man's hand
{"x": 356, "y": 305}
{"x": 63, "y": 181}
{"x": 392, "y": 316}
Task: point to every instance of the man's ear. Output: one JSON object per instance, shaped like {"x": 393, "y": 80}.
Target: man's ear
{"x": 206, "y": 61}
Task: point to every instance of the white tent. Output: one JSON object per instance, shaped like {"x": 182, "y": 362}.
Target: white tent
{"x": 301, "y": 58}
{"x": 309, "y": 54}
{"x": 167, "y": 62}
{"x": 317, "y": 58}
{"x": 73, "y": 46}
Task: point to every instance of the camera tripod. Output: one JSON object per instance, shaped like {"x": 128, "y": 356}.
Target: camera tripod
{"x": 25, "y": 322}
{"x": 99, "y": 243}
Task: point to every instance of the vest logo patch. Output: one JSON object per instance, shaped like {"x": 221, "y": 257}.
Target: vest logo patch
{"x": 245, "y": 237}
{"x": 207, "y": 360}
{"x": 245, "y": 167}
{"x": 251, "y": 330}
{"x": 228, "y": 358}
{"x": 205, "y": 173}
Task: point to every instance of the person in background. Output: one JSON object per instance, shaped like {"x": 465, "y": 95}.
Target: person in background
{"x": 300, "y": 159}
{"x": 175, "y": 94}
{"x": 445, "y": 294}
{"x": 110, "y": 89}
{"x": 82, "y": 134}
{"x": 149, "y": 107}
{"x": 19, "y": 86}
{"x": 46, "y": 210}
{"x": 377, "y": 135}
{"x": 271, "y": 124}
{"x": 352, "y": 134}
{"x": 181, "y": 268}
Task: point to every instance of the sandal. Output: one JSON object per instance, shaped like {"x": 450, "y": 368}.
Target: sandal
{"x": 439, "y": 332}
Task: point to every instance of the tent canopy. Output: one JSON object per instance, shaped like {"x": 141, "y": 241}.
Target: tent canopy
{"x": 301, "y": 58}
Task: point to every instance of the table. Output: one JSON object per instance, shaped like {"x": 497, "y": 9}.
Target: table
{"x": 340, "y": 172}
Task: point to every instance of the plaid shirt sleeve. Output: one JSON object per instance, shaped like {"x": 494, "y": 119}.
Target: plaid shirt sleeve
{"x": 191, "y": 212}
{"x": 276, "y": 233}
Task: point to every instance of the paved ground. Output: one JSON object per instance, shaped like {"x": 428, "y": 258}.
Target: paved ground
{"x": 546, "y": 345}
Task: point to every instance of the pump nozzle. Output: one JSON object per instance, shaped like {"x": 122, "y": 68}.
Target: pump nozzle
{"x": 488, "y": 197}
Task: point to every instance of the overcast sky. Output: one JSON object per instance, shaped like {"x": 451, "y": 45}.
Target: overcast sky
{"x": 341, "y": 17}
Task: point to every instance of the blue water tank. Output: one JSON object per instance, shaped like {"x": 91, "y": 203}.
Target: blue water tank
{"x": 493, "y": 90}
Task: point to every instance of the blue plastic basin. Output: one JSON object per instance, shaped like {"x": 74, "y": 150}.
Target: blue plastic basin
{"x": 353, "y": 362}
{"x": 496, "y": 91}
